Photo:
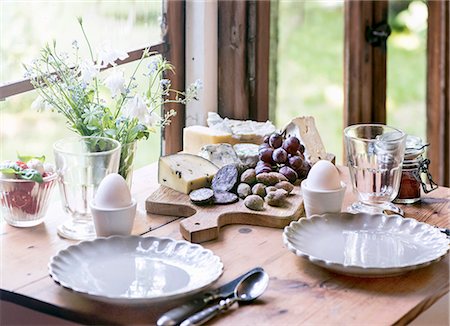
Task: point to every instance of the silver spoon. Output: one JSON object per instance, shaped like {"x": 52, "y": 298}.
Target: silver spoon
{"x": 247, "y": 290}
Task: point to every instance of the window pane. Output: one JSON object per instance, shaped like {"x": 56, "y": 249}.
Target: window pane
{"x": 127, "y": 25}
{"x": 406, "y": 67}
{"x": 310, "y": 67}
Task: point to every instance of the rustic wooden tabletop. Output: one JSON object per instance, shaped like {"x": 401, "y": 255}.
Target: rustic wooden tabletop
{"x": 298, "y": 292}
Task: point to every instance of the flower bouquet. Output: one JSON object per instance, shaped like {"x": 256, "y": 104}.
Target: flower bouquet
{"x": 110, "y": 106}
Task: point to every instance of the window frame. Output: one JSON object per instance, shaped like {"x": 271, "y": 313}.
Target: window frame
{"x": 171, "y": 47}
{"x": 365, "y": 76}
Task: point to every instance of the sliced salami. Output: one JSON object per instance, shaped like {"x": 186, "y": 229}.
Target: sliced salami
{"x": 202, "y": 196}
{"x": 226, "y": 179}
{"x": 225, "y": 197}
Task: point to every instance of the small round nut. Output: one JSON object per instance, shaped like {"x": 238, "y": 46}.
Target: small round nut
{"x": 254, "y": 202}
{"x": 249, "y": 176}
{"x": 267, "y": 178}
{"x": 280, "y": 176}
{"x": 286, "y": 185}
{"x": 259, "y": 189}
{"x": 276, "y": 198}
{"x": 243, "y": 190}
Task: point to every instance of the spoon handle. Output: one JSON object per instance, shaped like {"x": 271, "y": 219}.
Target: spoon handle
{"x": 203, "y": 316}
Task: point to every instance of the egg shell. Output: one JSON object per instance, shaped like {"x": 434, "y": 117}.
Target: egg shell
{"x": 113, "y": 192}
{"x": 323, "y": 176}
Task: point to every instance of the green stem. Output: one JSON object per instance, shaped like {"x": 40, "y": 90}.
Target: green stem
{"x": 92, "y": 58}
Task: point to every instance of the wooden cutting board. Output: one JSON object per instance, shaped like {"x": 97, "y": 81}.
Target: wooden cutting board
{"x": 204, "y": 222}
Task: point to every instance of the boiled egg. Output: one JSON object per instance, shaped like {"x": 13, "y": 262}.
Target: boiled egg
{"x": 323, "y": 176}
{"x": 113, "y": 192}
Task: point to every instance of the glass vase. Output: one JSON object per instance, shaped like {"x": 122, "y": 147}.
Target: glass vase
{"x": 82, "y": 163}
{"x": 126, "y": 164}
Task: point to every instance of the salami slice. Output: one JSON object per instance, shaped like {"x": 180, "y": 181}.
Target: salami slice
{"x": 225, "y": 197}
{"x": 202, "y": 196}
{"x": 226, "y": 179}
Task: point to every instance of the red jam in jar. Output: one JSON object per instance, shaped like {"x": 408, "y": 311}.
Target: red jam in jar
{"x": 414, "y": 165}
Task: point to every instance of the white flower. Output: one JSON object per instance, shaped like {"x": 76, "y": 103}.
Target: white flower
{"x": 108, "y": 55}
{"x": 89, "y": 71}
{"x": 40, "y": 104}
{"x": 136, "y": 108}
{"x": 154, "y": 119}
{"x": 115, "y": 82}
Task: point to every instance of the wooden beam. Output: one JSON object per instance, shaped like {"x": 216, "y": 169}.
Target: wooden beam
{"x": 438, "y": 90}
{"x": 233, "y": 100}
{"x": 24, "y": 85}
{"x": 364, "y": 64}
{"x": 259, "y": 97}
{"x": 174, "y": 37}
{"x": 243, "y": 59}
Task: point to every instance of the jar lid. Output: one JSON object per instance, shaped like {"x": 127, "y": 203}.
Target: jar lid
{"x": 414, "y": 147}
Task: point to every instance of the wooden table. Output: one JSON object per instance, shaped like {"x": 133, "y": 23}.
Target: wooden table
{"x": 298, "y": 293}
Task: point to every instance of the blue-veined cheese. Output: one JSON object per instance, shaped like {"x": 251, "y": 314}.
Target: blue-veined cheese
{"x": 244, "y": 131}
{"x": 220, "y": 154}
{"x": 185, "y": 172}
{"x": 248, "y": 154}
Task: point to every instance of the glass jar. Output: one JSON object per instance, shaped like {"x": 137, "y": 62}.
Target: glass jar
{"x": 413, "y": 168}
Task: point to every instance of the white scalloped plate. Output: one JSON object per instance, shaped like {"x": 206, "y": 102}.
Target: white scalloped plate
{"x": 366, "y": 245}
{"x": 134, "y": 270}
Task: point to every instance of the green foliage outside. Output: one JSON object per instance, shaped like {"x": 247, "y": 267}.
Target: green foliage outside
{"x": 310, "y": 65}
{"x": 127, "y": 25}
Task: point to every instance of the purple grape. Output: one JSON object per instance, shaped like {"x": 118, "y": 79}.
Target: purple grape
{"x": 295, "y": 162}
{"x": 303, "y": 171}
{"x": 279, "y": 155}
{"x": 263, "y": 146}
{"x": 265, "y": 155}
{"x": 262, "y": 163}
{"x": 263, "y": 169}
{"x": 302, "y": 148}
{"x": 290, "y": 174}
{"x": 276, "y": 140}
{"x": 291, "y": 145}
{"x": 266, "y": 139}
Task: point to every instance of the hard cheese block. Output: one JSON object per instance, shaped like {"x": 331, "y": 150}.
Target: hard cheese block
{"x": 195, "y": 137}
{"x": 185, "y": 172}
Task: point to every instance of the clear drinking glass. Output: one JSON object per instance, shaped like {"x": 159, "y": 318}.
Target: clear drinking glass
{"x": 82, "y": 163}
{"x": 374, "y": 157}
{"x": 25, "y": 202}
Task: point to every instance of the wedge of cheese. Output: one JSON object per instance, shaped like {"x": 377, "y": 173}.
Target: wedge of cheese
{"x": 185, "y": 172}
{"x": 305, "y": 129}
{"x": 195, "y": 137}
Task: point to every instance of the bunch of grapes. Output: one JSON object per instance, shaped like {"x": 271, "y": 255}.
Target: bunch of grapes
{"x": 284, "y": 155}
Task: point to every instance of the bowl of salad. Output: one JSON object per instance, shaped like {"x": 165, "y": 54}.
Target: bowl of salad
{"x": 25, "y": 188}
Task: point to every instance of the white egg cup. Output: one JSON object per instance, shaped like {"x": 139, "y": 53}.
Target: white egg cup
{"x": 114, "y": 221}
{"x": 319, "y": 202}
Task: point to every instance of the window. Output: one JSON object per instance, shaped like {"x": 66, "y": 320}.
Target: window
{"x": 136, "y": 25}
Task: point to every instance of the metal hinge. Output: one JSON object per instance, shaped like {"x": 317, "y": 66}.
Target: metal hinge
{"x": 378, "y": 34}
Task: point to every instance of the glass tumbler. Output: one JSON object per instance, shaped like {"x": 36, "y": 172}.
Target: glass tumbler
{"x": 25, "y": 202}
{"x": 374, "y": 156}
{"x": 82, "y": 163}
